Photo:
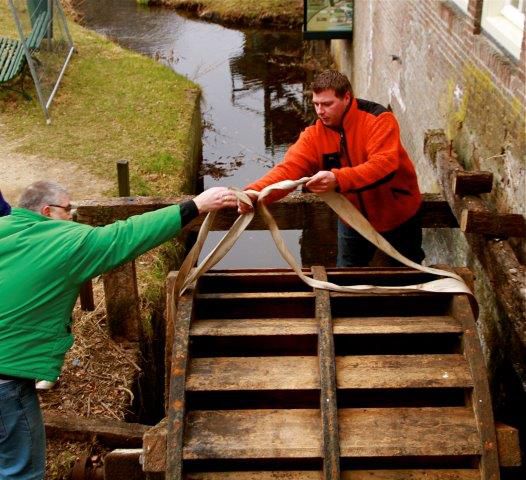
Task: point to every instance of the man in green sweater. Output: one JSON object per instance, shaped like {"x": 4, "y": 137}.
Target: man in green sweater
{"x": 44, "y": 259}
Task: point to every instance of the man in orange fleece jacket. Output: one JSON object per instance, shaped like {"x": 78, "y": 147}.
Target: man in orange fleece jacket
{"x": 355, "y": 148}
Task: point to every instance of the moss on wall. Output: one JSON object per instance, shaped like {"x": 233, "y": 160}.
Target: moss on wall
{"x": 477, "y": 109}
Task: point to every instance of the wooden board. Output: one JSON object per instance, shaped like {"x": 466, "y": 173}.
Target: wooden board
{"x": 155, "y": 461}
{"x": 284, "y": 434}
{"x": 341, "y": 325}
{"x": 445, "y": 474}
{"x": 302, "y": 373}
{"x": 292, "y": 212}
{"x": 109, "y": 432}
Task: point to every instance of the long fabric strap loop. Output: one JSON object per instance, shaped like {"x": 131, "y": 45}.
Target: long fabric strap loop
{"x": 451, "y": 283}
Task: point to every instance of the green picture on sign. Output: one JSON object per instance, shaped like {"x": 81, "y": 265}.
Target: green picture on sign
{"x": 328, "y": 18}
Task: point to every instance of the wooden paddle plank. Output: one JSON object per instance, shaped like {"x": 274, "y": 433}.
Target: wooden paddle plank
{"x": 308, "y": 326}
{"x": 402, "y": 371}
{"x": 253, "y": 434}
{"x": 302, "y": 372}
{"x": 252, "y": 295}
{"x": 154, "y": 451}
{"x": 254, "y": 327}
{"x": 416, "y": 296}
{"x": 374, "y": 432}
{"x": 446, "y": 474}
{"x": 389, "y": 325}
{"x": 252, "y": 281}
{"x": 428, "y": 431}
{"x": 253, "y": 373}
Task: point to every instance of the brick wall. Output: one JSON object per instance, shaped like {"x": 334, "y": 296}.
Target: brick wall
{"x": 436, "y": 68}
{"x": 424, "y": 59}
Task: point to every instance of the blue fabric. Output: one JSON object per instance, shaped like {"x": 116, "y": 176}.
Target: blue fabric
{"x": 356, "y": 251}
{"x": 22, "y": 434}
{"x": 5, "y": 208}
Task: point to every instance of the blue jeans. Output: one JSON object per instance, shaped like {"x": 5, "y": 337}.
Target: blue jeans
{"x": 356, "y": 251}
{"x": 22, "y": 434}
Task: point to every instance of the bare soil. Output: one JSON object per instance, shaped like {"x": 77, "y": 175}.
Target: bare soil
{"x": 18, "y": 170}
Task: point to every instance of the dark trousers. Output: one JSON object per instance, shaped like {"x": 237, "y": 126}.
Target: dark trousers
{"x": 356, "y": 251}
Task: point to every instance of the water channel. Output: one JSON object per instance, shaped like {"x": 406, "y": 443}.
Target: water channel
{"x": 253, "y": 106}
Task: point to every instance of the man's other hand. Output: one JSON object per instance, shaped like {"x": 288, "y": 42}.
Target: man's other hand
{"x": 323, "y": 181}
{"x": 215, "y": 198}
{"x": 243, "y": 208}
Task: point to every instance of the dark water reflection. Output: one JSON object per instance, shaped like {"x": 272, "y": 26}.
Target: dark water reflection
{"x": 253, "y": 96}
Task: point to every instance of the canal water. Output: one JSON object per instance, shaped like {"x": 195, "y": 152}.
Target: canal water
{"x": 253, "y": 85}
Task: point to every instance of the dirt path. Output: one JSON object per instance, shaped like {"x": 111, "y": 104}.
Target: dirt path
{"x": 17, "y": 170}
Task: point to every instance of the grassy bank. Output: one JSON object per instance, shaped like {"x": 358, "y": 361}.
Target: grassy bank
{"x": 112, "y": 104}
{"x": 275, "y": 13}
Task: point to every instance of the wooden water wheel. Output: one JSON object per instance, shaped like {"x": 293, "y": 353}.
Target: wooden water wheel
{"x": 269, "y": 379}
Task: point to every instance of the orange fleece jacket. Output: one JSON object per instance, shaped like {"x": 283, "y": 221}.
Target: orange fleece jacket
{"x": 374, "y": 171}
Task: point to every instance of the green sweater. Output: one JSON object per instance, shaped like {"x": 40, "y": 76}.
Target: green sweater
{"x": 43, "y": 263}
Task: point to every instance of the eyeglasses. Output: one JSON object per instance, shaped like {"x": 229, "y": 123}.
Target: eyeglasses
{"x": 67, "y": 208}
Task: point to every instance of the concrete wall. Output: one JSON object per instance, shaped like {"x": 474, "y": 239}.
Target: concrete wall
{"x": 431, "y": 63}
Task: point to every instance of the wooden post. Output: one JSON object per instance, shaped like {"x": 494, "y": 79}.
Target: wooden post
{"x": 86, "y": 297}
{"x": 123, "y": 176}
{"x": 122, "y": 302}
{"x": 120, "y": 284}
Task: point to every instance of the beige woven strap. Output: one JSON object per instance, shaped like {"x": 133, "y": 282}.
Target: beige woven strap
{"x": 450, "y": 283}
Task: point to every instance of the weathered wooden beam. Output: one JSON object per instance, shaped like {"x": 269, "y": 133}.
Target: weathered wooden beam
{"x": 169, "y": 333}
{"x": 505, "y": 273}
{"x": 180, "y": 316}
{"x": 470, "y": 211}
{"x": 109, "y": 432}
{"x": 508, "y": 442}
{"x": 500, "y": 225}
{"x": 472, "y": 183}
{"x": 507, "y": 277}
{"x": 154, "y": 451}
{"x": 291, "y": 213}
{"x": 295, "y": 433}
{"x": 122, "y": 302}
{"x": 398, "y": 474}
{"x": 154, "y": 447}
{"x": 87, "y": 302}
{"x": 327, "y": 369}
{"x": 480, "y": 396}
{"x": 123, "y": 464}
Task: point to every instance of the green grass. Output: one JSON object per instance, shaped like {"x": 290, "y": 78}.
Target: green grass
{"x": 112, "y": 104}
{"x": 277, "y": 12}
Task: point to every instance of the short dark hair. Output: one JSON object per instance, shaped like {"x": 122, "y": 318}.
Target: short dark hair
{"x": 332, "y": 80}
